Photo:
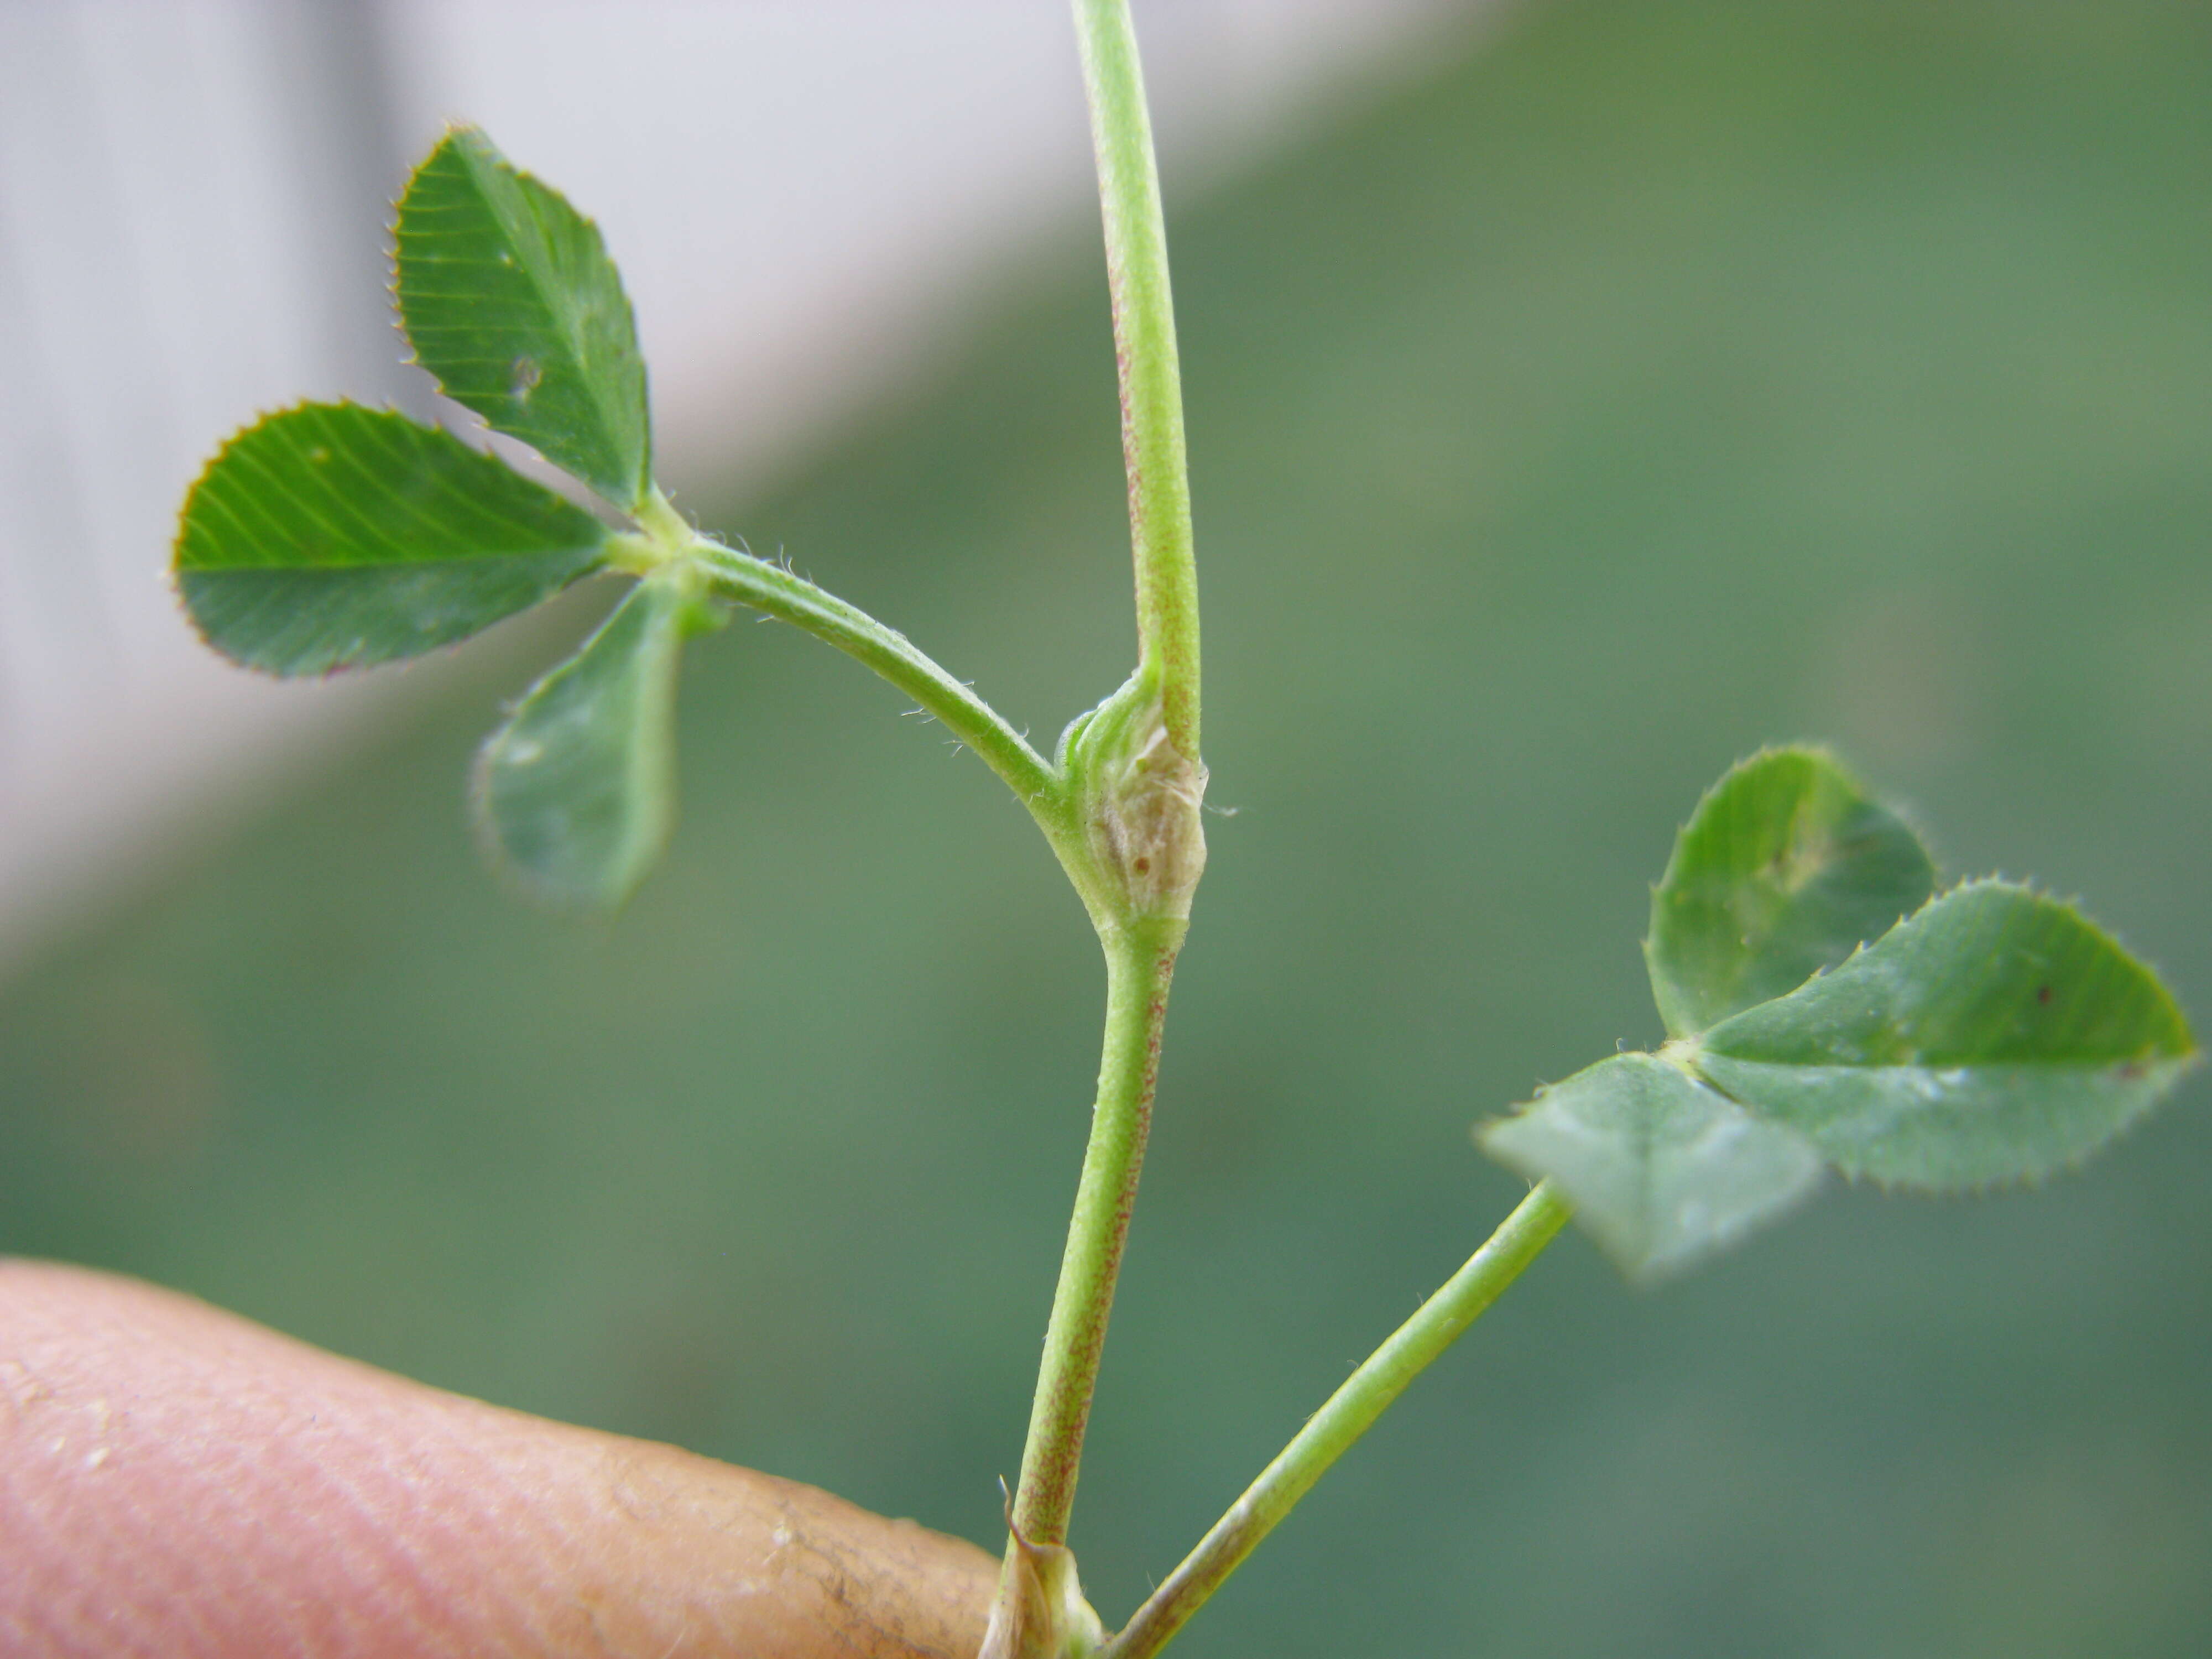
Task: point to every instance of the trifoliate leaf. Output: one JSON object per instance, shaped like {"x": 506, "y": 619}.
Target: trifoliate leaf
{"x": 330, "y": 536}
{"x": 509, "y": 297}
{"x": 1995, "y": 1035}
{"x": 1661, "y": 1170}
{"x": 576, "y": 792}
{"x": 1785, "y": 868}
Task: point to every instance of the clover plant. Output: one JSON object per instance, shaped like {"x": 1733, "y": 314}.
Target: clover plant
{"x": 1829, "y": 1005}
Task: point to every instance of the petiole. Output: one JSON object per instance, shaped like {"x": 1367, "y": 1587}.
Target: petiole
{"x": 1349, "y": 1412}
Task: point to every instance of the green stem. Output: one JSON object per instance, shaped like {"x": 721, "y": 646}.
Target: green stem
{"x": 1151, "y": 378}
{"x": 1140, "y": 945}
{"x": 777, "y": 592}
{"x": 1139, "y": 964}
{"x": 1349, "y": 1412}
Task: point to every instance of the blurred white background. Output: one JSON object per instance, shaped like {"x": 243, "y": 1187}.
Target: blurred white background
{"x": 194, "y": 205}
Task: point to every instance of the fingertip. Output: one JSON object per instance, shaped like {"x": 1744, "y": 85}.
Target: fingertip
{"x": 177, "y": 1482}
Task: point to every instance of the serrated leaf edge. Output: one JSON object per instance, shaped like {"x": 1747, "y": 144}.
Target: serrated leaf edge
{"x": 174, "y": 573}
{"x": 1811, "y": 749}
{"x": 412, "y": 359}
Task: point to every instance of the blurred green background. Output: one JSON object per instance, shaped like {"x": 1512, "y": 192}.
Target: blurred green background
{"x": 1659, "y": 381}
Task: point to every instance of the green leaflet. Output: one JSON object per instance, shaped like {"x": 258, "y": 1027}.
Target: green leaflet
{"x": 575, "y": 794}
{"x": 509, "y": 297}
{"x": 1661, "y": 1170}
{"x": 330, "y": 536}
{"x": 1784, "y": 869}
{"x": 1995, "y": 1035}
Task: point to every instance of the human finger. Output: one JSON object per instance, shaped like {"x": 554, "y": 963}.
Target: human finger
{"x": 179, "y": 1483}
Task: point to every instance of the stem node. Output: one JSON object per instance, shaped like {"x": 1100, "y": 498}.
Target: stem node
{"x": 1141, "y": 799}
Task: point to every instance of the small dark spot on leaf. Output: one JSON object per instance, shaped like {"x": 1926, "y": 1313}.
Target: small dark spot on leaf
{"x": 2043, "y": 994}
{"x": 2130, "y": 1069}
{"x": 1143, "y": 865}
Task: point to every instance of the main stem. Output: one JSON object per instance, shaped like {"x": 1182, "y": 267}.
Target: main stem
{"x": 1349, "y": 1412}
{"x": 1151, "y": 372}
{"x": 1139, "y": 964}
{"x": 1140, "y": 948}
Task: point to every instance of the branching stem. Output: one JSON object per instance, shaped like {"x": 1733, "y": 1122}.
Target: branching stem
{"x": 1113, "y": 806}
{"x": 1349, "y": 1412}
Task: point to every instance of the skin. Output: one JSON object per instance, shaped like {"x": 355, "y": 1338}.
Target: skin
{"x": 176, "y": 1481}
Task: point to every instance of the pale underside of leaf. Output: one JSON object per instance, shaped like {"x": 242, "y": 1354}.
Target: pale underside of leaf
{"x": 509, "y": 299}
{"x": 575, "y": 794}
{"x": 1950, "y": 1128}
{"x": 1995, "y": 1035}
{"x": 330, "y": 536}
{"x": 1786, "y": 867}
{"x": 1661, "y": 1170}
